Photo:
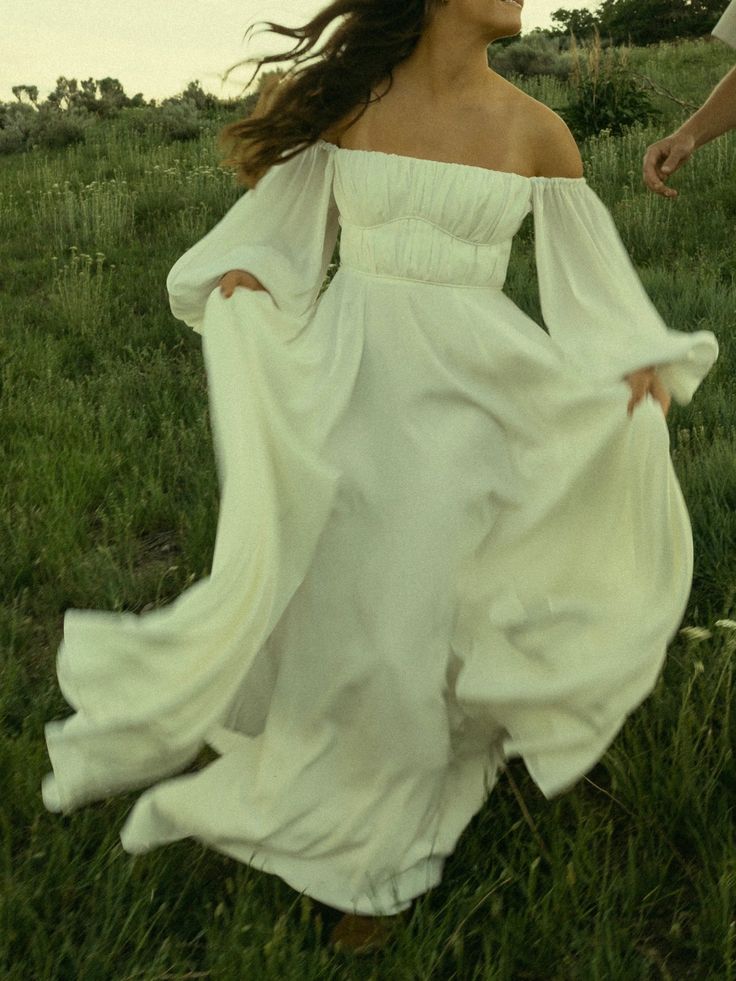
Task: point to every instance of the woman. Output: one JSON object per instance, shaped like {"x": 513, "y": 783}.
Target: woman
{"x": 442, "y": 540}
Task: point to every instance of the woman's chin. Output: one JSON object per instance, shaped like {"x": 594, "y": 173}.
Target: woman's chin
{"x": 510, "y": 31}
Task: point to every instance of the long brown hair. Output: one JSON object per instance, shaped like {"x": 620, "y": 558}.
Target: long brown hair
{"x": 374, "y": 36}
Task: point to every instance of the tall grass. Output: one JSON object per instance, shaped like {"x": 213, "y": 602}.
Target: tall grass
{"x": 109, "y": 501}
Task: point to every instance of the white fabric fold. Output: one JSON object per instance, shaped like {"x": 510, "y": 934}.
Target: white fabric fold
{"x": 593, "y": 301}
{"x": 283, "y": 232}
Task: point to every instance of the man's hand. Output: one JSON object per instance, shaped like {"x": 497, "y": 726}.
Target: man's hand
{"x": 715, "y": 117}
{"x": 663, "y": 158}
{"x": 643, "y": 381}
{"x": 239, "y": 277}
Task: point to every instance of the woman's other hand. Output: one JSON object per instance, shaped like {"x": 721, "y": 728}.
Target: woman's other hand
{"x": 663, "y": 158}
{"x": 238, "y": 277}
{"x": 643, "y": 381}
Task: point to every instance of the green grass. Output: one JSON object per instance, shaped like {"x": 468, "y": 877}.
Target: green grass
{"x": 109, "y": 501}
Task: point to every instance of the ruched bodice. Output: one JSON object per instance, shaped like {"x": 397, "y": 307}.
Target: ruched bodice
{"x": 404, "y": 222}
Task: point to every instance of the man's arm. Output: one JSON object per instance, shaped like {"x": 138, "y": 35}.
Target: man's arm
{"x": 716, "y": 116}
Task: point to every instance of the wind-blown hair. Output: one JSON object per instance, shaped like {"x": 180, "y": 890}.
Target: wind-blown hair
{"x": 324, "y": 83}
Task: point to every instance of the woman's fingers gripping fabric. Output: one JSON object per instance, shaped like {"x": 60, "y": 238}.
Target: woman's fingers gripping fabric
{"x": 283, "y": 232}
{"x": 238, "y": 277}
{"x": 593, "y": 301}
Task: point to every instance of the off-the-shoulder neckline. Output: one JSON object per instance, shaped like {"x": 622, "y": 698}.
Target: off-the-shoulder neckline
{"x": 446, "y": 163}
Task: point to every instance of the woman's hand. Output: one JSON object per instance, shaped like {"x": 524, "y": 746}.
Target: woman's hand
{"x": 239, "y": 277}
{"x": 643, "y": 381}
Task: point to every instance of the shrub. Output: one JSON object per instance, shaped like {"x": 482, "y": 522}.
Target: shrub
{"x": 142, "y": 119}
{"x": 604, "y": 93}
{"x": 179, "y": 120}
{"x": 55, "y": 129}
{"x": 17, "y": 122}
{"x": 12, "y": 139}
{"x": 534, "y": 54}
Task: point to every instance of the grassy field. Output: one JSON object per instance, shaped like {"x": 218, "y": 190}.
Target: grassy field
{"x": 109, "y": 501}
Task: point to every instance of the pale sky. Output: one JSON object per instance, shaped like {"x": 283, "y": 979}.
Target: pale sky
{"x": 158, "y": 47}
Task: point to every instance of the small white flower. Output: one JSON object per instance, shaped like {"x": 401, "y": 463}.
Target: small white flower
{"x": 696, "y": 633}
{"x": 728, "y": 624}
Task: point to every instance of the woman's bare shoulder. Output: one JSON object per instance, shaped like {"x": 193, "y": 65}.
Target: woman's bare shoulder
{"x": 551, "y": 144}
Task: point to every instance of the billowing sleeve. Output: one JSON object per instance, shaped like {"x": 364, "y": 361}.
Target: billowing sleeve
{"x": 725, "y": 29}
{"x": 283, "y": 232}
{"x": 594, "y": 304}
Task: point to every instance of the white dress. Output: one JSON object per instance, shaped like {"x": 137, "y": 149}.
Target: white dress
{"x": 442, "y": 541}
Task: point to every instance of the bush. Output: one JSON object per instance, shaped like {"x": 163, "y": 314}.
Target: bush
{"x": 534, "y": 54}
{"x": 604, "y": 93}
{"x": 55, "y": 129}
{"x": 179, "y": 120}
{"x": 141, "y": 119}
{"x": 17, "y": 122}
{"x": 12, "y": 139}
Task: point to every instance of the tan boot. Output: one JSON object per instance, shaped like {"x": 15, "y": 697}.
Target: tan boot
{"x": 362, "y": 934}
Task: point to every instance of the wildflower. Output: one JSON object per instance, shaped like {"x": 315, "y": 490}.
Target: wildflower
{"x": 728, "y": 624}
{"x": 696, "y": 633}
